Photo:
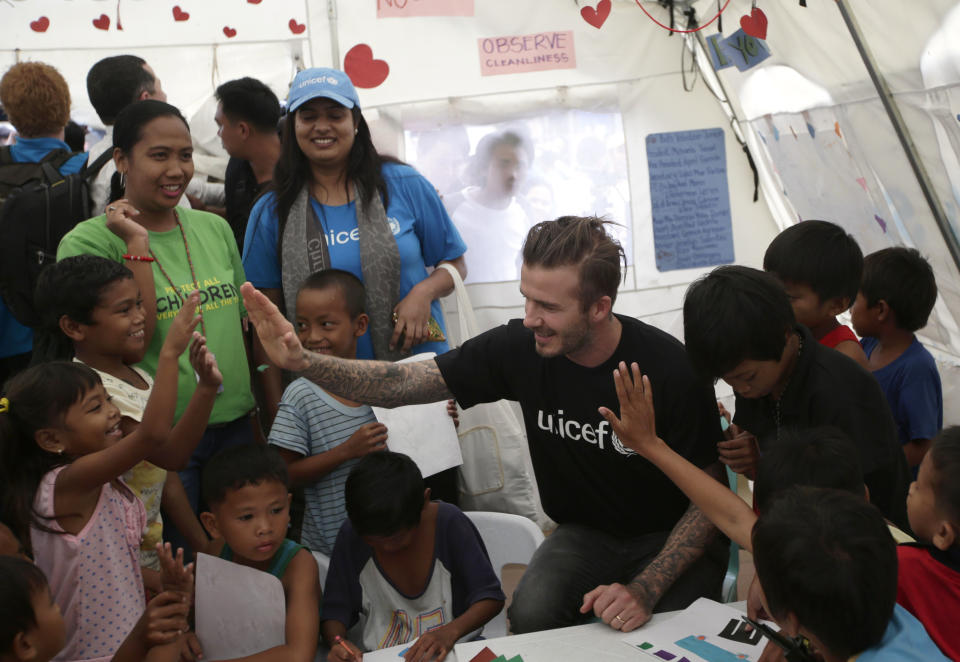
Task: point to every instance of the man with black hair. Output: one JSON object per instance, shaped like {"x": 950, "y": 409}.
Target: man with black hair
{"x": 739, "y": 326}
{"x": 557, "y": 364}
{"x": 404, "y": 567}
{"x": 248, "y": 113}
{"x": 897, "y": 294}
{"x": 819, "y": 265}
{"x": 114, "y": 83}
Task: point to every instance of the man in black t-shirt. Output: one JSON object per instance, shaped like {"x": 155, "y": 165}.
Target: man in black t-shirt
{"x": 628, "y": 542}
{"x": 247, "y": 116}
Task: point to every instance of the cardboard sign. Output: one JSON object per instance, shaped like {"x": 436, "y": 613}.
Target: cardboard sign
{"x": 739, "y": 50}
{"x": 514, "y": 54}
{"x": 404, "y": 8}
{"x": 689, "y": 199}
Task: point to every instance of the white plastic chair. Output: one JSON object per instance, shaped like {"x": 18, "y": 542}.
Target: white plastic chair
{"x": 323, "y": 565}
{"x": 509, "y": 539}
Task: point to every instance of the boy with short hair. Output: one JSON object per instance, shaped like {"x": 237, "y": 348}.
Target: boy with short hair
{"x": 825, "y": 560}
{"x": 819, "y": 265}
{"x": 739, "y": 326}
{"x": 404, "y": 567}
{"x": 897, "y": 294}
{"x": 929, "y": 586}
{"x": 247, "y": 491}
{"x": 319, "y": 435}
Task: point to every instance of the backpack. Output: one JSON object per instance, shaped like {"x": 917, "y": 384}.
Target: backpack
{"x": 38, "y": 206}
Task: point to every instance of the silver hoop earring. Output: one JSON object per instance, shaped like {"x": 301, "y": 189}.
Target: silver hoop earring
{"x": 356, "y": 131}
{"x": 123, "y": 180}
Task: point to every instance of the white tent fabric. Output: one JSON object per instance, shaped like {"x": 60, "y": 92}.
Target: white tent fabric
{"x": 809, "y": 113}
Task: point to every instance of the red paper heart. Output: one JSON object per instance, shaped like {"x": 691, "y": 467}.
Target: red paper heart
{"x": 40, "y": 25}
{"x": 230, "y": 32}
{"x": 296, "y": 28}
{"x": 102, "y": 23}
{"x": 363, "y": 70}
{"x": 755, "y": 24}
{"x": 596, "y": 17}
{"x": 254, "y": 2}
{"x": 179, "y": 14}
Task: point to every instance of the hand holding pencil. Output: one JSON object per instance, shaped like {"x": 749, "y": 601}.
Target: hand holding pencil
{"x": 345, "y": 651}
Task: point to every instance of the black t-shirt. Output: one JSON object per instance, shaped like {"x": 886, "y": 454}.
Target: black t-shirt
{"x": 240, "y": 189}
{"x": 830, "y": 388}
{"x": 584, "y": 473}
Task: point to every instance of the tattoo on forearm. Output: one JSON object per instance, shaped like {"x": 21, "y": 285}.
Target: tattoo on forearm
{"x": 378, "y": 383}
{"x": 684, "y": 546}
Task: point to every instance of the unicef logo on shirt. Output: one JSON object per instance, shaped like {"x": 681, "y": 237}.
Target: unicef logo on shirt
{"x": 394, "y": 225}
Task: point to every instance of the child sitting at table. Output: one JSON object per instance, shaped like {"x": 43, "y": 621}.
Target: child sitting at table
{"x": 825, "y": 560}
{"x": 738, "y": 325}
{"x": 820, "y": 266}
{"x": 404, "y": 567}
{"x": 247, "y": 491}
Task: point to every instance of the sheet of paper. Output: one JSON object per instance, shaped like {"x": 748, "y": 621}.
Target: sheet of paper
{"x": 424, "y": 432}
{"x": 706, "y": 631}
{"x": 239, "y": 610}
{"x": 392, "y": 654}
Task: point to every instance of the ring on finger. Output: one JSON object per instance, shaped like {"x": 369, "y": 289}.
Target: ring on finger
{"x": 617, "y": 618}
{"x": 111, "y": 208}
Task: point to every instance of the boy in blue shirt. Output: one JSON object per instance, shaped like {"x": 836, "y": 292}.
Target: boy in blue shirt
{"x": 897, "y": 293}
{"x": 404, "y": 567}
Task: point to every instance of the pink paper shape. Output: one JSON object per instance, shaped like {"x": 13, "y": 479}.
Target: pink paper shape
{"x": 862, "y": 182}
{"x": 404, "y": 8}
{"x": 514, "y": 54}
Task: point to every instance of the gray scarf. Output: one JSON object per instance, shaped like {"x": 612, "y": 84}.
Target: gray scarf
{"x": 303, "y": 251}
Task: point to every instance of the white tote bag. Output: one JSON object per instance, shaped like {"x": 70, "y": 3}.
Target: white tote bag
{"x": 496, "y": 474}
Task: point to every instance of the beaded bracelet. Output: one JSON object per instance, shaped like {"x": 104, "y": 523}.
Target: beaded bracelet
{"x": 139, "y": 258}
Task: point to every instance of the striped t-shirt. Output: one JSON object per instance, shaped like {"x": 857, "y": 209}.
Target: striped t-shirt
{"x": 310, "y": 421}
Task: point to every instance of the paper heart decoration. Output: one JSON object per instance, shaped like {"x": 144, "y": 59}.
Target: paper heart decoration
{"x": 179, "y": 14}
{"x": 254, "y": 2}
{"x": 363, "y": 70}
{"x": 40, "y": 25}
{"x": 596, "y": 17}
{"x": 102, "y": 23}
{"x": 230, "y": 32}
{"x": 296, "y": 28}
{"x": 755, "y": 24}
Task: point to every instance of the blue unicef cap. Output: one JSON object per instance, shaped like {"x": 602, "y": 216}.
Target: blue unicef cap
{"x": 322, "y": 82}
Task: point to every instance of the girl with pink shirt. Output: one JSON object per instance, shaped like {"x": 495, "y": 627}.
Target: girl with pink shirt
{"x": 62, "y": 452}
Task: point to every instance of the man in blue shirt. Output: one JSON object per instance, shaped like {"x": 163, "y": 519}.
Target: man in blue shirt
{"x": 37, "y": 101}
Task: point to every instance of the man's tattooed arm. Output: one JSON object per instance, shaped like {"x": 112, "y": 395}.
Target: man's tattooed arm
{"x": 377, "y": 383}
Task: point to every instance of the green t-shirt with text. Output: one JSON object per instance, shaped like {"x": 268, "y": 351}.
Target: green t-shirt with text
{"x": 219, "y": 272}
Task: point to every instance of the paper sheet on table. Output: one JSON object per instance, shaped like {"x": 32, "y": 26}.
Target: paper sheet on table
{"x": 706, "y": 631}
{"x": 392, "y": 654}
{"x": 239, "y": 610}
{"x": 424, "y": 432}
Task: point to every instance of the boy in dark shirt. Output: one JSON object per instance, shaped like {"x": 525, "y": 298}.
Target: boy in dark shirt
{"x": 404, "y": 567}
{"x": 819, "y": 265}
{"x": 739, "y": 326}
{"x": 897, "y": 293}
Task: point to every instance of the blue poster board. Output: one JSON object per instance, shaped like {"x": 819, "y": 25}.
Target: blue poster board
{"x": 689, "y": 199}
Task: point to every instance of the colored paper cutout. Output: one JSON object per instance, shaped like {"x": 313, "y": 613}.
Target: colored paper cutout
{"x": 486, "y": 655}
{"x": 514, "y": 54}
{"x": 365, "y": 71}
{"x": 755, "y": 24}
{"x": 296, "y": 28}
{"x": 811, "y": 130}
{"x": 882, "y": 223}
{"x": 739, "y": 50}
{"x": 179, "y": 14}
{"x": 405, "y": 8}
{"x": 646, "y": 646}
{"x": 229, "y": 32}
{"x": 836, "y": 129}
{"x": 40, "y": 25}
{"x": 664, "y": 655}
{"x": 700, "y": 646}
{"x": 102, "y": 23}
{"x": 862, "y": 182}
{"x": 596, "y": 17}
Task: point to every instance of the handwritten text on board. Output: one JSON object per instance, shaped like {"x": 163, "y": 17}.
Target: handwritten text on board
{"x": 689, "y": 199}
{"x": 403, "y": 8}
{"x": 530, "y": 52}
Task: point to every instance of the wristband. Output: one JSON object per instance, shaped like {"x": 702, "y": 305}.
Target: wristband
{"x": 139, "y": 258}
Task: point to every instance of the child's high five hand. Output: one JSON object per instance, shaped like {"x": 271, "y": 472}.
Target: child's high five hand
{"x": 181, "y": 330}
{"x": 636, "y": 426}
{"x": 204, "y": 363}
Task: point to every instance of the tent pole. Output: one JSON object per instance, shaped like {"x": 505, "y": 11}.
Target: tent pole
{"x": 903, "y": 133}
{"x": 334, "y": 33}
